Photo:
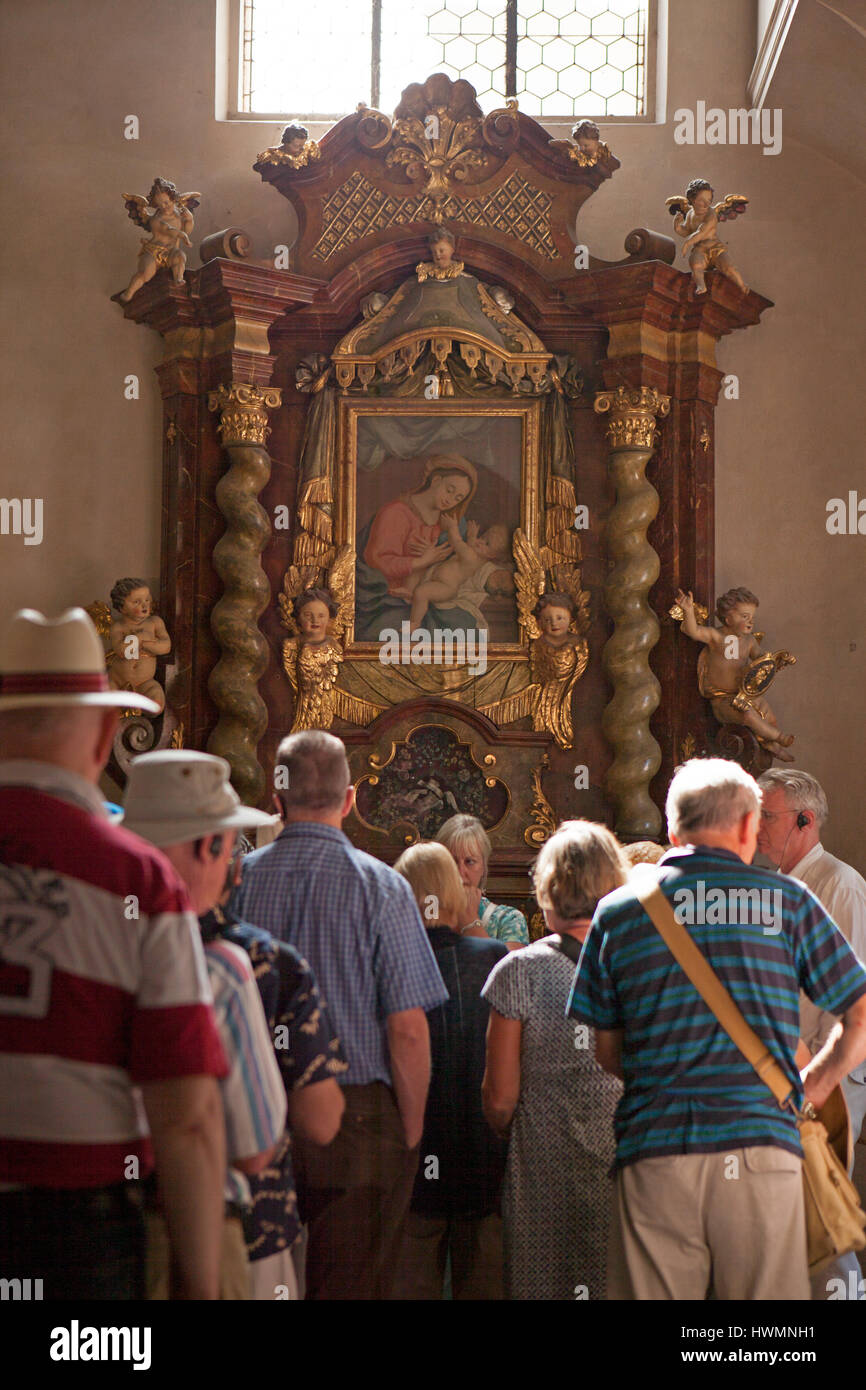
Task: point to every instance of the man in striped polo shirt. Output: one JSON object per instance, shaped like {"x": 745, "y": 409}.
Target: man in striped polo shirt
{"x": 708, "y": 1167}
{"x": 103, "y": 990}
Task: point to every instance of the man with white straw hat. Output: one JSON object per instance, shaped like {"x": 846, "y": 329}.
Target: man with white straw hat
{"x": 184, "y": 803}
{"x": 103, "y": 991}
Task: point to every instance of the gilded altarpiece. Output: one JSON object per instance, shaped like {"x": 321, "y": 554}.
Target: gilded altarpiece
{"x": 573, "y": 409}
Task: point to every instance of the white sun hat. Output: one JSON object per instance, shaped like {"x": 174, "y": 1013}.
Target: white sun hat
{"x": 57, "y": 661}
{"x": 174, "y": 796}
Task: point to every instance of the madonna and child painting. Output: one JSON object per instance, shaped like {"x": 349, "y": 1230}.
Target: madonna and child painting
{"x": 437, "y": 506}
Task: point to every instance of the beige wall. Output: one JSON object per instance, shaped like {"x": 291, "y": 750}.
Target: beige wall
{"x": 72, "y": 69}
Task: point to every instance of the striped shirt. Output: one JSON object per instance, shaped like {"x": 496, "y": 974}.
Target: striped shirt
{"x": 102, "y": 984}
{"x": 688, "y": 1089}
{"x": 253, "y": 1095}
{"x": 355, "y": 920}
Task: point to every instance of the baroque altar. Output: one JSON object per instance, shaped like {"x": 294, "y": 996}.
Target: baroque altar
{"x": 442, "y": 364}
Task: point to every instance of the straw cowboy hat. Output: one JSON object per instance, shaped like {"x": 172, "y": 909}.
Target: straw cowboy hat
{"x": 57, "y": 661}
{"x": 174, "y": 796}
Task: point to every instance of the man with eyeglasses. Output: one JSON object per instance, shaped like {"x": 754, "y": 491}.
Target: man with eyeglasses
{"x": 793, "y": 812}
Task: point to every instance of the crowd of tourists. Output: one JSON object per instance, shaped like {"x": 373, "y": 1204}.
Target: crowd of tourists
{"x": 296, "y": 1072}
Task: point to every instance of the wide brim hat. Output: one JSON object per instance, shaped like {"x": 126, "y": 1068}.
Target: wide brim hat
{"x": 174, "y": 796}
{"x": 58, "y": 661}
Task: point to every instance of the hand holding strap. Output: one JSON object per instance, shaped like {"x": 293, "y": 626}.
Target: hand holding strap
{"x": 714, "y": 994}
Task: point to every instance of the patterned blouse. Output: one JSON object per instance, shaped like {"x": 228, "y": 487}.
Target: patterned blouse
{"x": 503, "y": 923}
{"x": 307, "y": 1050}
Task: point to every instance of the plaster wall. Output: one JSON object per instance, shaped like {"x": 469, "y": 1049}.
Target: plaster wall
{"x": 73, "y": 69}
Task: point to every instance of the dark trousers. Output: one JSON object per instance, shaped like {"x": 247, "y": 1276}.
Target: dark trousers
{"x": 354, "y": 1196}
{"x": 83, "y": 1243}
{"x": 474, "y": 1244}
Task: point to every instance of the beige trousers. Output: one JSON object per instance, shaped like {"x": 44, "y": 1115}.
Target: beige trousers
{"x": 732, "y": 1223}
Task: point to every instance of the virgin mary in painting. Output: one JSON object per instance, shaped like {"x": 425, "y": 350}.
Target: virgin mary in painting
{"x": 403, "y": 540}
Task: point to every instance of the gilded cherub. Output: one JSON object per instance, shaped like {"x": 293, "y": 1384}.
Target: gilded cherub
{"x": 295, "y": 149}
{"x": 137, "y": 636}
{"x": 697, "y": 220}
{"x": 555, "y": 621}
{"x": 443, "y": 265}
{"x": 587, "y": 147}
{"x": 317, "y": 618}
{"x": 732, "y": 671}
{"x": 169, "y": 226}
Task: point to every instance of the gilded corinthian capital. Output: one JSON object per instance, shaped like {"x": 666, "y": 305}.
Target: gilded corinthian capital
{"x": 633, "y": 411}
{"x": 244, "y": 412}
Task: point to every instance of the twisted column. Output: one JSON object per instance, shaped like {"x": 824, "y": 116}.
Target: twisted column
{"x": 637, "y": 756}
{"x": 234, "y": 680}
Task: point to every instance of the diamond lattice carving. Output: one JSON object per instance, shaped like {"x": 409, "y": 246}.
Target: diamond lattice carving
{"x": 357, "y": 209}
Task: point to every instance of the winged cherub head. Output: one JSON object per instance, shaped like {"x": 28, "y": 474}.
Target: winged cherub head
{"x": 700, "y": 195}
{"x": 554, "y": 612}
{"x": 314, "y": 609}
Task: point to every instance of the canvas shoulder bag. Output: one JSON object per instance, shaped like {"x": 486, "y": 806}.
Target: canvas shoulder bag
{"x": 834, "y": 1219}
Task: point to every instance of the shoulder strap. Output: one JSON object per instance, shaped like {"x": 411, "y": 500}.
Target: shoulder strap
{"x": 488, "y": 913}
{"x": 710, "y": 988}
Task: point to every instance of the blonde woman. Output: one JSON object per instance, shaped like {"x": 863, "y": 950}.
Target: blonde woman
{"x": 455, "y": 1204}
{"x": 543, "y": 1087}
{"x": 469, "y": 845}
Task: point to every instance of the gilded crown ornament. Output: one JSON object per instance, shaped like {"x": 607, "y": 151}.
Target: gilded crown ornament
{"x": 244, "y": 412}
{"x": 632, "y": 411}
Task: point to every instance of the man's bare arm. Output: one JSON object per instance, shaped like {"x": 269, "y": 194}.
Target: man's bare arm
{"x": 315, "y": 1111}
{"x": 409, "y": 1049}
{"x": 608, "y": 1050}
{"x": 844, "y": 1050}
{"x": 185, "y": 1116}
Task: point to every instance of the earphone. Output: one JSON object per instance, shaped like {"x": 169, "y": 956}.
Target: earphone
{"x": 801, "y": 822}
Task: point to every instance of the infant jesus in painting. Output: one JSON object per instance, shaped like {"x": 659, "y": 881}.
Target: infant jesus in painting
{"x": 444, "y": 580}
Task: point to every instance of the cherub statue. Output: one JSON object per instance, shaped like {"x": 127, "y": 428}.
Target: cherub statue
{"x": 317, "y": 618}
{"x": 169, "y": 226}
{"x": 443, "y": 265}
{"x": 558, "y": 653}
{"x": 587, "y": 147}
{"x": 295, "y": 148}
{"x": 732, "y": 672}
{"x": 137, "y": 636}
{"x": 697, "y": 221}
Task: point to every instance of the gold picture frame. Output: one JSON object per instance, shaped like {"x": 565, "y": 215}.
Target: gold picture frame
{"x": 353, "y": 410}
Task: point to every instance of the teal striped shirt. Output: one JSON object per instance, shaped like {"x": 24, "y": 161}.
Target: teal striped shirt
{"x": 688, "y": 1089}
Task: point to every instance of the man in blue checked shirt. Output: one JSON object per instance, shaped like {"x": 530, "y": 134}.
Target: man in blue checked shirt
{"x": 708, "y": 1166}
{"x": 356, "y": 922}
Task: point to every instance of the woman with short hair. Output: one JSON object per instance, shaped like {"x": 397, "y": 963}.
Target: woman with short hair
{"x": 455, "y": 1203}
{"x": 469, "y": 845}
{"x": 543, "y": 1087}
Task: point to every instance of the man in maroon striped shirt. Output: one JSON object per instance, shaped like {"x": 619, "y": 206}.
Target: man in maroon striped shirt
{"x": 109, "y": 1056}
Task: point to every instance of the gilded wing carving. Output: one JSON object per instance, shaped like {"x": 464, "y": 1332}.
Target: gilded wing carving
{"x": 529, "y": 581}
{"x": 340, "y": 576}
{"x": 190, "y": 201}
{"x": 136, "y": 209}
{"x": 678, "y": 204}
{"x": 731, "y": 207}
{"x": 290, "y": 661}
{"x": 557, "y": 670}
